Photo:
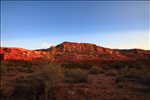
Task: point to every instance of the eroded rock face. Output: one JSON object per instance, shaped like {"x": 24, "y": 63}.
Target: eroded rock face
{"x": 20, "y": 54}
{"x": 79, "y": 52}
{"x": 79, "y": 48}
{"x": 74, "y": 52}
{"x": 83, "y": 48}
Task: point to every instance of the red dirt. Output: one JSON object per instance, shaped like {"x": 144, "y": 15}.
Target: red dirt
{"x": 98, "y": 87}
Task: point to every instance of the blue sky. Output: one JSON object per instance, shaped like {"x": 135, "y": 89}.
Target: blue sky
{"x": 39, "y": 24}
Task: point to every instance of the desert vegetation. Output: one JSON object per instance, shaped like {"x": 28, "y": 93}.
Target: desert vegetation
{"x": 76, "y": 75}
{"x": 96, "y": 70}
{"x": 46, "y": 81}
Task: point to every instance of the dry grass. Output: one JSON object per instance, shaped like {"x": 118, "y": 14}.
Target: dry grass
{"x": 76, "y": 75}
{"x": 42, "y": 81}
{"x": 111, "y": 72}
{"x": 3, "y": 69}
{"x": 96, "y": 70}
{"x": 45, "y": 80}
{"x": 141, "y": 75}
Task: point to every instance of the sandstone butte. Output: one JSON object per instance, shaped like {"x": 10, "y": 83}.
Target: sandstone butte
{"x": 73, "y": 52}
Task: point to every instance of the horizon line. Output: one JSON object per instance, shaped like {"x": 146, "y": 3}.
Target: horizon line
{"x": 72, "y": 42}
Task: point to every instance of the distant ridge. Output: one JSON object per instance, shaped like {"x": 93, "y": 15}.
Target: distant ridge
{"x": 73, "y": 52}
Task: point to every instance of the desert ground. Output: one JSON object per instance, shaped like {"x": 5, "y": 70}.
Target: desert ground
{"x": 47, "y": 81}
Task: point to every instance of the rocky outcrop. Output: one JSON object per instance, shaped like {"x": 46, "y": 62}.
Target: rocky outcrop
{"x": 82, "y": 48}
{"x": 74, "y": 52}
{"x": 20, "y": 54}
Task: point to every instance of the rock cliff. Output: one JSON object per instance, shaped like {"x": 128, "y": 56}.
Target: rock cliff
{"x": 74, "y": 52}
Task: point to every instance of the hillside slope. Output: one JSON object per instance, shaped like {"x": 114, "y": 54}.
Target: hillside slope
{"x": 74, "y": 52}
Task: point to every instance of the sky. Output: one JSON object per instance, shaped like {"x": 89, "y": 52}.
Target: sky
{"x": 41, "y": 24}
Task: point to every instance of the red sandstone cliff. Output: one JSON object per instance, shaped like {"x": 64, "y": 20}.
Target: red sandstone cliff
{"x": 74, "y": 52}
{"x": 20, "y": 54}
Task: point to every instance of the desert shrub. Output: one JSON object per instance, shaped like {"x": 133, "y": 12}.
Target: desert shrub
{"x": 146, "y": 76}
{"x": 81, "y": 65}
{"x": 118, "y": 65}
{"x": 29, "y": 69}
{"x": 21, "y": 68}
{"x": 51, "y": 73}
{"x": 120, "y": 85}
{"x": 83, "y": 91}
{"x": 76, "y": 75}
{"x": 130, "y": 72}
{"x": 111, "y": 72}
{"x": 54, "y": 75}
{"x": 28, "y": 87}
{"x": 143, "y": 75}
{"x": 41, "y": 82}
{"x": 4, "y": 69}
{"x": 96, "y": 70}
